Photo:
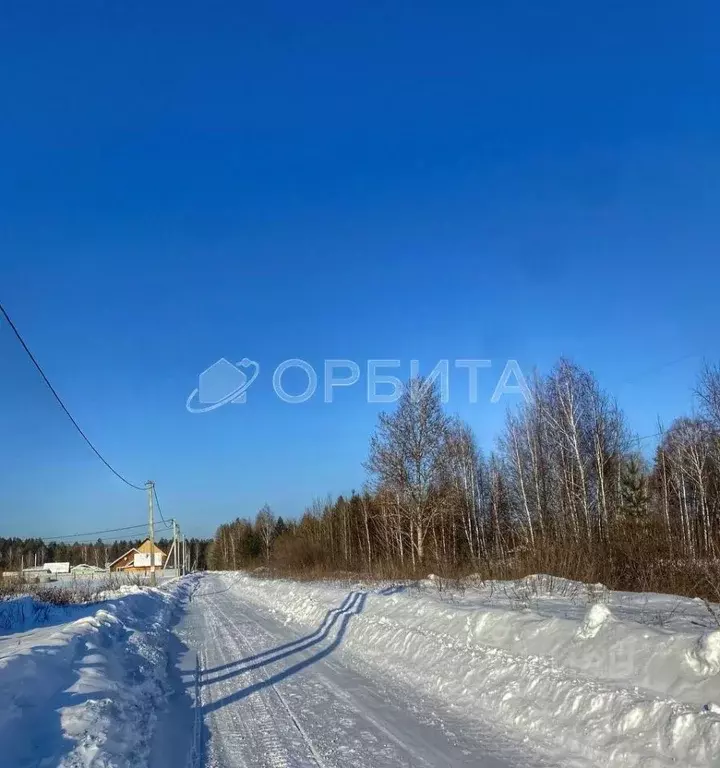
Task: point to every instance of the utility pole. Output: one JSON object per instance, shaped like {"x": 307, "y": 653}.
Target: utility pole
{"x": 175, "y": 544}
{"x": 184, "y": 556}
{"x": 151, "y": 526}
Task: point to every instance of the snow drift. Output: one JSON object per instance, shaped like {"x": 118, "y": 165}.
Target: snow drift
{"x": 600, "y": 686}
{"x": 86, "y": 692}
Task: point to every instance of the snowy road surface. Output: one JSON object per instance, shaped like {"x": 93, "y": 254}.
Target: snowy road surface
{"x": 269, "y": 695}
{"x": 232, "y": 669}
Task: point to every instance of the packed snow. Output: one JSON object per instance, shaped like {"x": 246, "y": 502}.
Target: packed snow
{"x": 232, "y": 669}
{"x": 275, "y": 694}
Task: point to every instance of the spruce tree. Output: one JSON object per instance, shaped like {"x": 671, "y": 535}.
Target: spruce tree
{"x": 634, "y": 491}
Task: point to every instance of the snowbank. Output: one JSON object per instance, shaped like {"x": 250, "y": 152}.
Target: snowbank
{"x": 85, "y": 692}
{"x": 611, "y": 690}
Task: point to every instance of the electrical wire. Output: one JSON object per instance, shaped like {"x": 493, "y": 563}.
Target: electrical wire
{"x": 647, "y": 437}
{"x": 96, "y": 533}
{"x": 656, "y": 369}
{"x": 157, "y": 505}
{"x": 62, "y": 405}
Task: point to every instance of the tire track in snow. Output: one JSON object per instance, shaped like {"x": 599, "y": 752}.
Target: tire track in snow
{"x": 229, "y": 734}
{"x": 349, "y": 700}
{"x": 268, "y": 728}
{"x": 253, "y": 734}
{"x": 353, "y": 705}
{"x": 273, "y": 696}
{"x": 253, "y": 728}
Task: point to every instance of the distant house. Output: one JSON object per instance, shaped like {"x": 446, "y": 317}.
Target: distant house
{"x": 137, "y": 560}
{"x": 37, "y": 573}
{"x": 124, "y": 561}
{"x": 36, "y": 569}
{"x": 57, "y": 567}
{"x": 83, "y": 569}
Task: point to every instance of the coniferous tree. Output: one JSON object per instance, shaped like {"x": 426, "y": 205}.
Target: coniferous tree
{"x": 634, "y": 491}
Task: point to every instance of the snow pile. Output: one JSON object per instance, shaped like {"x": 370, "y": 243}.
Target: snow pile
{"x": 611, "y": 690}
{"x": 85, "y": 692}
{"x": 704, "y": 658}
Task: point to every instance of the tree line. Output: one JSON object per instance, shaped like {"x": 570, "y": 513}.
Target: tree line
{"x": 16, "y": 553}
{"x": 567, "y": 489}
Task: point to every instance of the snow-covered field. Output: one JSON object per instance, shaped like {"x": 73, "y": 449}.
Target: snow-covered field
{"x": 541, "y": 672}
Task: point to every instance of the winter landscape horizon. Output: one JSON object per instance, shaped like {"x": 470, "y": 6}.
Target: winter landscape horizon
{"x": 360, "y": 391}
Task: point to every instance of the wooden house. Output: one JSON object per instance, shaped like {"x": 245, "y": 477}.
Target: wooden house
{"x": 137, "y": 559}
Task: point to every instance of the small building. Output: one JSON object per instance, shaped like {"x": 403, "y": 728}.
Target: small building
{"x": 83, "y": 569}
{"x": 37, "y": 573}
{"x": 57, "y": 567}
{"x": 36, "y": 569}
{"x": 137, "y": 559}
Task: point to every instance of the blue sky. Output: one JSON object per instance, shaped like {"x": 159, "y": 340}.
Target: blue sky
{"x": 184, "y": 181}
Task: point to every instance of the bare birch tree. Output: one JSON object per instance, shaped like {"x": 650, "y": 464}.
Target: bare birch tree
{"x": 265, "y": 527}
{"x": 406, "y": 455}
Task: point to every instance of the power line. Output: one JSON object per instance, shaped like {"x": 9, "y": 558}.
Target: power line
{"x": 96, "y": 533}
{"x": 657, "y": 369}
{"x": 647, "y": 437}
{"x": 62, "y": 405}
{"x": 662, "y": 432}
{"x": 157, "y": 504}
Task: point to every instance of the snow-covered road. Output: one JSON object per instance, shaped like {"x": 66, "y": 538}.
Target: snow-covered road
{"x": 234, "y": 669}
{"x": 269, "y": 695}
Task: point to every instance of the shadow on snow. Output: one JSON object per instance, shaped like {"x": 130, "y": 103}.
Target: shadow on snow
{"x": 352, "y": 605}
{"x": 319, "y": 634}
{"x": 395, "y": 589}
